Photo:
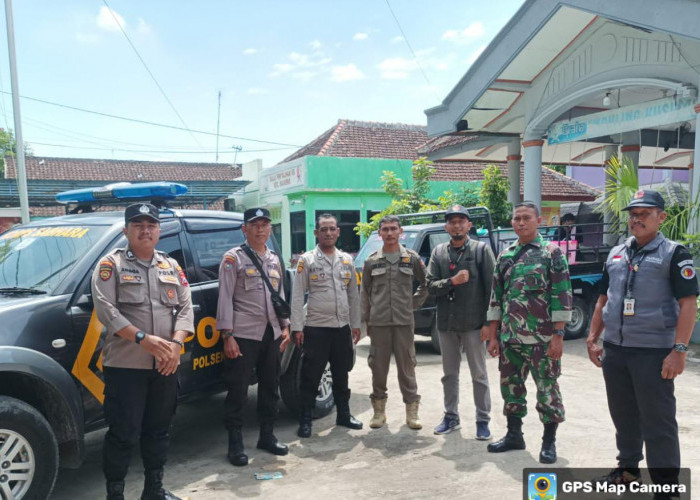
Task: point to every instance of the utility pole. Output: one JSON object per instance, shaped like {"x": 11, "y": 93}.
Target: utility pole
{"x": 21, "y": 170}
{"x": 218, "y": 119}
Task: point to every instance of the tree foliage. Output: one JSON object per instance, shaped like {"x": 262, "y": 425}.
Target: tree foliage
{"x": 404, "y": 201}
{"x": 8, "y": 147}
{"x": 494, "y": 195}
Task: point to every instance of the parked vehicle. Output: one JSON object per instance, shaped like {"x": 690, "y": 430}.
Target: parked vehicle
{"x": 51, "y": 385}
{"x": 424, "y": 231}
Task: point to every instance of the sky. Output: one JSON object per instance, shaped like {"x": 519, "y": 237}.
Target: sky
{"x": 287, "y": 71}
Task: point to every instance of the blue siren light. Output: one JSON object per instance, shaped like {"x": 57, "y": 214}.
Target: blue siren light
{"x": 123, "y": 191}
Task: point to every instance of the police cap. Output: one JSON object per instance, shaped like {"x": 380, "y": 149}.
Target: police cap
{"x": 141, "y": 210}
{"x": 256, "y": 213}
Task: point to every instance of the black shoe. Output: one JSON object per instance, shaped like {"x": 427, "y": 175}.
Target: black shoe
{"x": 269, "y": 442}
{"x": 513, "y": 440}
{"x": 236, "y": 453}
{"x": 548, "y": 453}
{"x": 153, "y": 487}
{"x": 304, "y": 430}
{"x": 621, "y": 475}
{"x": 345, "y": 419}
{"x": 115, "y": 490}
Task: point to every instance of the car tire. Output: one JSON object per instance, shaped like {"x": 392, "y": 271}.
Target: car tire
{"x": 290, "y": 388}
{"x": 435, "y": 337}
{"x": 35, "y": 451}
{"x": 580, "y": 318}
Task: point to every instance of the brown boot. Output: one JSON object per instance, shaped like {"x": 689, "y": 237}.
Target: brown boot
{"x": 412, "y": 419}
{"x": 379, "y": 417}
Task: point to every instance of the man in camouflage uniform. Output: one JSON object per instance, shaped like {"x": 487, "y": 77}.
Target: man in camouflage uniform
{"x": 531, "y": 297}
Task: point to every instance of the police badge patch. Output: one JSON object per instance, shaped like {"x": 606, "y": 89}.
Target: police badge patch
{"x": 688, "y": 272}
{"x": 106, "y": 268}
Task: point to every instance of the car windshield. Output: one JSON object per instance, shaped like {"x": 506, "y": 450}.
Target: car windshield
{"x": 38, "y": 258}
{"x": 374, "y": 243}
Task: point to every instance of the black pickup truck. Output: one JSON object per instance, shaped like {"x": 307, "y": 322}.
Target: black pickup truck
{"x": 424, "y": 231}
{"x": 51, "y": 384}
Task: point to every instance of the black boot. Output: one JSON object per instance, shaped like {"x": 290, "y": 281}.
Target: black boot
{"x": 344, "y": 418}
{"x": 115, "y": 490}
{"x": 268, "y": 441}
{"x": 236, "y": 453}
{"x": 305, "y": 419}
{"x": 153, "y": 487}
{"x": 513, "y": 440}
{"x": 548, "y": 453}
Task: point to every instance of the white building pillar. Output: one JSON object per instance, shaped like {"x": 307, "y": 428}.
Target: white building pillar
{"x": 286, "y": 230}
{"x": 513, "y": 159}
{"x": 694, "y": 223}
{"x": 533, "y": 171}
{"x": 610, "y": 238}
{"x": 631, "y": 147}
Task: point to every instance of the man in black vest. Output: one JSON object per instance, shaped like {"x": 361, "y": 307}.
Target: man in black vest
{"x": 459, "y": 275}
{"x": 647, "y": 310}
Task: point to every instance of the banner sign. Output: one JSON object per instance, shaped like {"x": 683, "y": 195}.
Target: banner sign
{"x": 643, "y": 115}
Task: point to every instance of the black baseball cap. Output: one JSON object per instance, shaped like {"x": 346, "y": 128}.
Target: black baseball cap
{"x": 256, "y": 213}
{"x": 141, "y": 210}
{"x": 456, "y": 210}
{"x": 646, "y": 198}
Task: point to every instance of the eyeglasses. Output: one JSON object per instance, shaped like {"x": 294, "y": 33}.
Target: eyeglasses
{"x": 327, "y": 229}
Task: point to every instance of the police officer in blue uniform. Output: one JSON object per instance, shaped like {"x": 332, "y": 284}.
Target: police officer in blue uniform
{"x": 647, "y": 311}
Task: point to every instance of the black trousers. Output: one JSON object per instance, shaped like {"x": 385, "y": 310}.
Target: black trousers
{"x": 263, "y": 356}
{"x": 643, "y": 408}
{"x": 323, "y": 345}
{"x": 138, "y": 406}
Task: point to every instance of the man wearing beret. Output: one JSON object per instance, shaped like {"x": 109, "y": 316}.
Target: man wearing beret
{"x": 143, "y": 299}
{"x": 646, "y": 313}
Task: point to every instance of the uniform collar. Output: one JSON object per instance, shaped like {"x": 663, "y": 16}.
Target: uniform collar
{"x": 402, "y": 251}
{"x": 319, "y": 252}
{"x": 131, "y": 256}
{"x": 631, "y": 243}
{"x": 537, "y": 242}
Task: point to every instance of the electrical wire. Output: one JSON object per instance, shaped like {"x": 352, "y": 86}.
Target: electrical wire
{"x": 153, "y": 150}
{"x": 146, "y": 122}
{"x": 150, "y": 73}
{"x": 415, "y": 57}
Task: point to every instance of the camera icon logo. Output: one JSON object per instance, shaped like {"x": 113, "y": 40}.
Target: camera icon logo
{"x": 542, "y": 486}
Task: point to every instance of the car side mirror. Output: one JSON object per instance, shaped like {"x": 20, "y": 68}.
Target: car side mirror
{"x": 85, "y": 301}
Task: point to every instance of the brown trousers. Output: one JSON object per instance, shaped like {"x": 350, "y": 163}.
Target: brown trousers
{"x": 398, "y": 340}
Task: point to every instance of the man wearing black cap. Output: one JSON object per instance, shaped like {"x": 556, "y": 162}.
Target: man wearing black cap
{"x": 460, "y": 274}
{"x": 253, "y": 335}
{"x": 647, "y": 310}
{"x": 142, "y": 298}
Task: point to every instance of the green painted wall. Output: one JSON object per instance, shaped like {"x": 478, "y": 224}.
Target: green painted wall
{"x": 352, "y": 173}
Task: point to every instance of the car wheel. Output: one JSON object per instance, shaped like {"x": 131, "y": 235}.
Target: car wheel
{"x": 290, "y": 388}
{"x": 579, "y": 319}
{"x": 435, "y": 337}
{"x": 28, "y": 451}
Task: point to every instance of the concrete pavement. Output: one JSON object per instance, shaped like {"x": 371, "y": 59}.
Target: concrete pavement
{"x": 392, "y": 462}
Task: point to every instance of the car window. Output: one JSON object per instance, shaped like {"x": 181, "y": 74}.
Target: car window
{"x": 437, "y": 238}
{"x": 40, "y": 257}
{"x": 172, "y": 246}
{"x": 210, "y": 240}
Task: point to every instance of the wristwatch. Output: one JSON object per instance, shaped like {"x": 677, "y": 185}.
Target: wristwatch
{"x": 680, "y": 347}
{"x": 139, "y": 336}
{"x": 178, "y": 342}
{"x": 228, "y": 334}
{"x": 559, "y": 332}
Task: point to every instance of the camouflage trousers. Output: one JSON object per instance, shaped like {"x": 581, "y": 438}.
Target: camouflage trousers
{"x": 515, "y": 362}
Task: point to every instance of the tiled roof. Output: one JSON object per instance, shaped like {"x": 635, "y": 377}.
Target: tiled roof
{"x": 39, "y": 167}
{"x": 444, "y": 141}
{"x": 555, "y": 186}
{"x": 357, "y": 139}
